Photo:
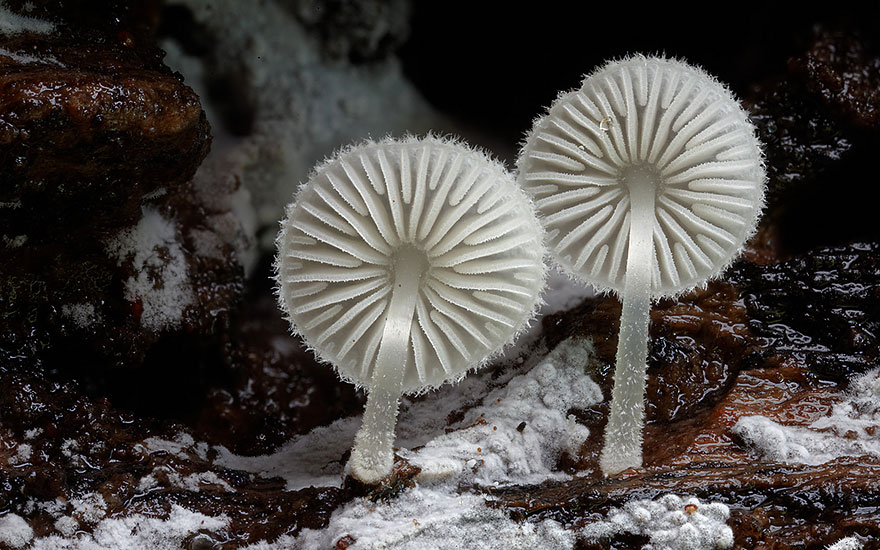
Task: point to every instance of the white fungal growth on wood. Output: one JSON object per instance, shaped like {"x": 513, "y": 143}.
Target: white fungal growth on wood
{"x": 406, "y": 264}
{"x": 11, "y": 23}
{"x": 15, "y": 532}
{"x": 848, "y": 543}
{"x": 430, "y": 517}
{"x": 520, "y": 430}
{"x": 161, "y": 280}
{"x": 648, "y": 180}
{"x": 671, "y": 523}
{"x": 849, "y": 430}
{"x": 83, "y": 315}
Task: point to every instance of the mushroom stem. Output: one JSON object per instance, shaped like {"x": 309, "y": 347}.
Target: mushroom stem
{"x": 623, "y": 434}
{"x": 373, "y": 455}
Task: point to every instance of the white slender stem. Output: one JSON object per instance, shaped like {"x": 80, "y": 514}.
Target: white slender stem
{"x": 623, "y": 434}
{"x": 373, "y": 455}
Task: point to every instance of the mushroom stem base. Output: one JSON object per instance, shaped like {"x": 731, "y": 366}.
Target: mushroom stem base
{"x": 372, "y": 456}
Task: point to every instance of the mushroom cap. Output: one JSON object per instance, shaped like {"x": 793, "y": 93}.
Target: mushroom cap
{"x": 645, "y": 121}
{"x": 442, "y": 207}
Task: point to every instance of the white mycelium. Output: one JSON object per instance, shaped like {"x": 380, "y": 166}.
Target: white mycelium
{"x": 648, "y": 180}
{"x": 406, "y": 264}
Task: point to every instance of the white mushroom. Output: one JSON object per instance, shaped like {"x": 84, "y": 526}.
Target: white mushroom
{"x": 406, "y": 264}
{"x": 648, "y": 180}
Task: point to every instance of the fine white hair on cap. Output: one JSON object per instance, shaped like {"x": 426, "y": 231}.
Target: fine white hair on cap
{"x": 437, "y": 201}
{"x": 658, "y": 120}
{"x": 405, "y": 264}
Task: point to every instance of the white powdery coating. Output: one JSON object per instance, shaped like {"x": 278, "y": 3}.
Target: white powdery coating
{"x": 14, "y": 530}
{"x": 89, "y": 508}
{"x": 137, "y": 531}
{"x": 207, "y": 243}
{"x": 668, "y": 524}
{"x": 161, "y": 282}
{"x": 178, "y": 447}
{"x": 311, "y": 460}
{"x": 847, "y": 431}
{"x": 82, "y": 315}
{"x": 848, "y": 543}
{"x": 184, "y": 447}
{"x": 195, "y": 482}
{"x": 22, "y": 454}
{"x": 54, "y": 508}
{"x": 489, "y": 449}
{"x": 12, "y": 23}
{"x": 147, "y": 482}
{"x": 66, "y": 525}
{"x": 430, "y": 518}
{"x": 192, "y": 482}
{"x": 68, "y": 446}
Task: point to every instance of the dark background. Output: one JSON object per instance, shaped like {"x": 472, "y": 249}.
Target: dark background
{"x": 496, "y": 67}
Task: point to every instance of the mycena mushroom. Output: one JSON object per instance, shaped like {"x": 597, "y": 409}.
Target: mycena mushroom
{"x": 406, "y": 264}
{"x": 648, "y": 180}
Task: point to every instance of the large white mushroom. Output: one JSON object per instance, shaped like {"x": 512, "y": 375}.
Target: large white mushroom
{"x": 406, "y": 264}
{"x": 648, "y": 180}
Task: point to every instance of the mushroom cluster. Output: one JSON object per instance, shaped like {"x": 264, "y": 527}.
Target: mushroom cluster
{"x": 648, "y": 179}
{"x": 405, "y": 264}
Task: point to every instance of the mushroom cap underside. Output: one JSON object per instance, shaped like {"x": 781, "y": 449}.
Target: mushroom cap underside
{"x": 645, "y": 121}
{"x": 428, "y": 205}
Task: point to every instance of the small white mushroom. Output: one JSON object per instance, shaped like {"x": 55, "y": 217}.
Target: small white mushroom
{"x": 648, "y": 180}
{"x": 405, "y": 264}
